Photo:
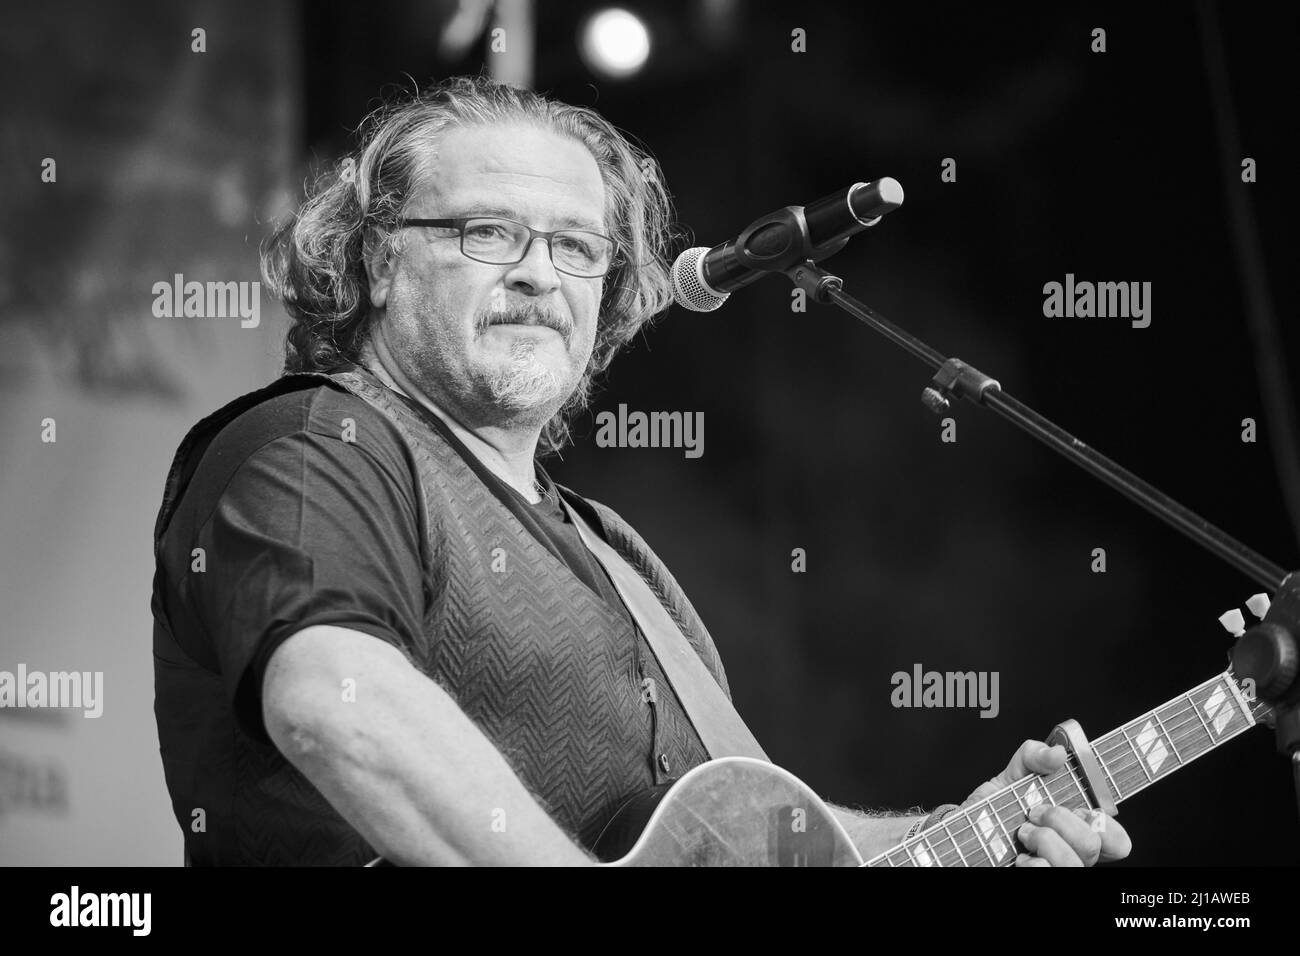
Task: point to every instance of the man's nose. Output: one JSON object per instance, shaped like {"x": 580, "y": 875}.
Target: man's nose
{"x": 534, "y": 274}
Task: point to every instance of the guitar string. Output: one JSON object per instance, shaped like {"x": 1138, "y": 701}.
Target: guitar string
{"x": 1072, "y": 787}
{"x": 969, "y": 829}
{"x": 960, "y": 834}
{"x": 1124, "y": 745}
{"x": 1186, "y": 705}
{"x": 963, "y": 835}
{"x": 1069, "y": 782}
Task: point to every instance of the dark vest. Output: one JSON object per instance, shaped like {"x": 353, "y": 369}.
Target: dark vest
{"x": 536, "y": 659}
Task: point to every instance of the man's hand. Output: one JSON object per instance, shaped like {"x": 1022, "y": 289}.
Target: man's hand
{"x": 1056, "y": 836}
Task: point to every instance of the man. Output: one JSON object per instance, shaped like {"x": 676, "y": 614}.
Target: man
{"x": 377, "y": 629}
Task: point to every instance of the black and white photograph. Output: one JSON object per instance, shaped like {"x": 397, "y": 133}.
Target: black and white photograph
{"x": 702, "y": 433}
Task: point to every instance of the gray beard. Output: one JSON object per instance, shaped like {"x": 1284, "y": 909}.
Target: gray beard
{"x": 526, "y": 385}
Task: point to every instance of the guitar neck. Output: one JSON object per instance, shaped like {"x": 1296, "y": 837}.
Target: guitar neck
{"x": 1131, "y": 758}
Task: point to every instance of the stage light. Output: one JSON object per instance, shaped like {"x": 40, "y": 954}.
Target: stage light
{"x": 615, "y": 43}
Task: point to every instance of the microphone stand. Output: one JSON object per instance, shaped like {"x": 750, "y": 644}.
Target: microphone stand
{"x": 1266, "y": 658}
{"x": 956, "y": 379}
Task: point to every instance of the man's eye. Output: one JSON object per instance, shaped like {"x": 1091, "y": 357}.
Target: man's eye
{"x": 485, "y": 232}
{"x": 577, "y": 246}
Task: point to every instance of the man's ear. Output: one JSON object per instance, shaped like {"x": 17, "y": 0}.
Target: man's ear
{"x": 380, "y": 266}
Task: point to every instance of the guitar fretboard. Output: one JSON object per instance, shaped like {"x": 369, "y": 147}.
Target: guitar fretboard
{"x": 1131, "y": 758}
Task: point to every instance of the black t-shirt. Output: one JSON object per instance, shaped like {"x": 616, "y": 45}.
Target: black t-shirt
{"x": 300, "y": 527}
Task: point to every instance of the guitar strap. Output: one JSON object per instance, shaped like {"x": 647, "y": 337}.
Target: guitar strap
{"x": 720, "y": 727}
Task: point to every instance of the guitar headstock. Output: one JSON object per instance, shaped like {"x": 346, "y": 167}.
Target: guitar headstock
{"x": 1234, "y": 622}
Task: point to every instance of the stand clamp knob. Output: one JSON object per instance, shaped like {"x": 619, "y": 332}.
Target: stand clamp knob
{"x": 956, "y": 379}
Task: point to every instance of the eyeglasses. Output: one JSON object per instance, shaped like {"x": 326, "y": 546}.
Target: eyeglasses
{"x": 502, "y": 242}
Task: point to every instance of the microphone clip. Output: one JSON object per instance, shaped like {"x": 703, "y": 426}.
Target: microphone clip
{"x": 780, "y": 241}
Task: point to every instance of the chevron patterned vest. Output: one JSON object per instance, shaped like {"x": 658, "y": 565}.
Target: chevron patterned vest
{"x": 537, "y": 660}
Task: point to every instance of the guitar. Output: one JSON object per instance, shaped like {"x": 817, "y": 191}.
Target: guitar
{"x": 741, "y": 811}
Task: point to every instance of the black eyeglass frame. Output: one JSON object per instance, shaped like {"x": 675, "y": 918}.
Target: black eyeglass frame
{"x": 460, "y": 222}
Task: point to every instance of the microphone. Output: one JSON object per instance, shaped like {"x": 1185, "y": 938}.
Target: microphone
{"x": 703, "y": 279}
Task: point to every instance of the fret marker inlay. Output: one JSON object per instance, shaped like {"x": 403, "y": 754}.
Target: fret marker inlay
{"x": 998, "y": 848}
{"x": 1032, "y": 797}
{"x": 1152, "y": 746}
{"x": 1217, "y": 710}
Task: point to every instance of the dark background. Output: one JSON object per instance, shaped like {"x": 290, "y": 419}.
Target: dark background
{"x": 967, "y": 556}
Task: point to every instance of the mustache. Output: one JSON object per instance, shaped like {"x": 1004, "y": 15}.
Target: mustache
{"x": 524, "y": 315}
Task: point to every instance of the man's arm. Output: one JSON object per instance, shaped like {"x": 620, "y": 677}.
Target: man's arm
{"x": 873, "y": 835}
{"x": 401, "y": 762}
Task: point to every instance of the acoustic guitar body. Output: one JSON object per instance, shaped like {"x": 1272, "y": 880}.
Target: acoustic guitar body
{"x": 736, "y": 811}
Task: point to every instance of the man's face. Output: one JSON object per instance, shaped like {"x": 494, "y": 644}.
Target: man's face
{"x": 501, "y": 345}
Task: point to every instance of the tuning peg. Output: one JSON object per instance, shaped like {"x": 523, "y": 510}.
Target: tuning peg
{"x": 1258, "y": 605}
{"x": 1234, "y": 622}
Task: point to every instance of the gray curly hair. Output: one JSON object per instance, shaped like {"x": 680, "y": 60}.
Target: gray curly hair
{"x": 315, "y": 261}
